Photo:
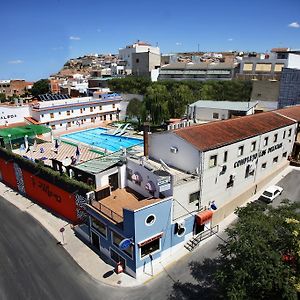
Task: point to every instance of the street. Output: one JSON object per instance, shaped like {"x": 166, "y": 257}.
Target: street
{"x": 34, "y": 266}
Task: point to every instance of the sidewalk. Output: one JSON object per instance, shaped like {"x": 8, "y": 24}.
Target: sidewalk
{"x": 86, "y": 258}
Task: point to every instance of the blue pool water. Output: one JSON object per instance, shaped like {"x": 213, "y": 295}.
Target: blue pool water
{"x": 99, "y": 138}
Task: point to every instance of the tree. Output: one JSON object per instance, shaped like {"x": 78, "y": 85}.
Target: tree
{"x": 41, "y": 86}
{"x": 156, "y": 103}
{"x": 2, "y": 97}
{"x": 260, "y": 259}
{"x": 181, "y": 97}
{"x": 135, "y": 109}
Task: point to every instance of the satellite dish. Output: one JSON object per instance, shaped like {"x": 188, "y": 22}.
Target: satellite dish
{"x": 66, "y": 162}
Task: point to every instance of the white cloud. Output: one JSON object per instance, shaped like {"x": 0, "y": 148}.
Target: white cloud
{"x": 294, "y": 25}
{"x": 230, "y": 39}
{"x": 15, "y": 62}
{"x": 178, "y": 44}
{"x": 74, "y": 38}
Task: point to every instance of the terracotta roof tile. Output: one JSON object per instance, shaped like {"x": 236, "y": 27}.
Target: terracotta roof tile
{"x": 292, "y": 112}
{"x": 220, "y": 133}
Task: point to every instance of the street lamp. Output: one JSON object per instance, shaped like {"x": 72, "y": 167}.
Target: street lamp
{"x": 9, "y": 136}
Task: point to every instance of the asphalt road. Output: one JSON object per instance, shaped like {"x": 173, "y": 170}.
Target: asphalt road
{"x": 33, "y": 266}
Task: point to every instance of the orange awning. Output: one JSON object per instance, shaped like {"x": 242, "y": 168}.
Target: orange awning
{"x": 204, "y": 217}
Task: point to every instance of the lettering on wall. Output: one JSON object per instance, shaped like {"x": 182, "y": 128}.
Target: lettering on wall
{"x": 252, "y": 157}
{"x": 46, "y": 189}
{"x": 7, "y": 117}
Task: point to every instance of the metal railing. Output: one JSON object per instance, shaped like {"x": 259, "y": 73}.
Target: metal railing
{"x": 107, "y": 211}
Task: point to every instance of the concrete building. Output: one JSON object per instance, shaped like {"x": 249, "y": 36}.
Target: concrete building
{"x": 197, "y": 71}
{"x": 289, "y": 93}
{"x": 212, "y": 110}
{"x": 268, "y": 66}
{"x": 76, "y": 111}
{"x": 232, "y": 157}
{"x": 125, "y": 54}
{"x": 15, "y": 87}
{"x": 11, "y": 114}
{"x": 144, "y": 63}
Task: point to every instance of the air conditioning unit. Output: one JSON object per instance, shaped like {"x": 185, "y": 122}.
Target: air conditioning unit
{"x": 174, "y": 149}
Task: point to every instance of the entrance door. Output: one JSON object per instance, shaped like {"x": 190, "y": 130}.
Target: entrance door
{"x": 113, "y": 181}
{"x": 95, "y": 240}
{"x": 199, "y": 228}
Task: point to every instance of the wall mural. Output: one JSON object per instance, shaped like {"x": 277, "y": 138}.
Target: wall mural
{"x": 19, "y": 178}
{"x": 80, "y": 206}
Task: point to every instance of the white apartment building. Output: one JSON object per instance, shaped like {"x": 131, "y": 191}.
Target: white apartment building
{"x": 125, "y": 54}
{"x": 231, "y": 158}
{"x": 76, "y": 111}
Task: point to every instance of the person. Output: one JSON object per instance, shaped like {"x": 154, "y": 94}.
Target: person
{"x": 42, "y": 150}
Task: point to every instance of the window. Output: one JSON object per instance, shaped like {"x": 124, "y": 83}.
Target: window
{"x": 72, "y": 111}
{"x": 91, "y": 109}
{"x": 284, "y": 154}
{"x": 240, "y": 150}
{"x": 150, "y": 220}
{"x": 225, "y": 156}
{"x": 100, "y": 107}
{"x": 60, "y": 124}
{"x": 249, "y": 171}
{"x": 100, "y": 118}
{"x": 266, "y": 141}
{"x": 275, "y": 159}
{"x": 275, "y": 137}
{"x": 215, "y": 116}
{"x": 117, "y": 258}
{"x": 68, "y": 112}
{"x": 51, "y": 115}
{"x": 231, "y": 181}
{"x": 137, "y": 60}
{"x": 81, "y": 110}
{"x": 99, "y": 226}
{"x": 213, "y": 161}
{"x": 284, "y": 133}
{"x": 264, "y": 165}
{"x": 150, "y": 247}
{"x": 42, "y": 116}
{"x": 110, "y": 117}
{"x": 104, "y": 117}
{"x": 194, "y": 197}
{"x": 114, "y": 105}
{"x": 59, "y": 113}
{"x": 290, "y": 132}
{"x": 117, "y": 240}
{"x": 253, "y": 146}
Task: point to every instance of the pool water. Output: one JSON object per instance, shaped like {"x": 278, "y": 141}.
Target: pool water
{"x": 99, "y": 138}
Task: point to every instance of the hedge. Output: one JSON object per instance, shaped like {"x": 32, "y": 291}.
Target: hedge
{"x": 63, "y": 181}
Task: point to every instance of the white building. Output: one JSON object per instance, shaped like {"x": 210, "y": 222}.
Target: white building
{"x": 211, "y": 110}
{"x": 13, "y": 114}
{"x": 125, "y": 54}
{"x": 76, "y": 111}
{"x": 232, "y": 157}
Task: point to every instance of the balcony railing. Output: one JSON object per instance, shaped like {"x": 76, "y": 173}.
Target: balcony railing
{"x": 107, "y": 212}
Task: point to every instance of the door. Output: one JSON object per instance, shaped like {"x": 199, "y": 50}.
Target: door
{"x": 95, "y": 240}
{"x": 113, "y": 181}
{"x": 199, "y": 228}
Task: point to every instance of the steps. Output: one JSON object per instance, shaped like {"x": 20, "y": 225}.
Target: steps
{"x": 195, "y": 241}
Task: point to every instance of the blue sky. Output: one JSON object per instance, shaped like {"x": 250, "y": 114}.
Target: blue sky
{"x": 38, "y": 36}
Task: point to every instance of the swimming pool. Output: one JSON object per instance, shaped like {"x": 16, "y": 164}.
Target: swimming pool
{"x": 99, "y": 138}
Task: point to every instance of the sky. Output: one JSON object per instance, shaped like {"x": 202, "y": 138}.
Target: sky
{"x": 39, "y": 36}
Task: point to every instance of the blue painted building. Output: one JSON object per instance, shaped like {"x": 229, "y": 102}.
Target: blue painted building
{"x": 143, "y": 211}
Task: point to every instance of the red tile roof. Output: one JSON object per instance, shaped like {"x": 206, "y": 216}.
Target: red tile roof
{"x": 220, "y": 133}
{"x": 292, "y": 112}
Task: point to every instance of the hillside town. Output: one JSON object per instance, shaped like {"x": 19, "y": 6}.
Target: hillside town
{"x": 135, "y": 160}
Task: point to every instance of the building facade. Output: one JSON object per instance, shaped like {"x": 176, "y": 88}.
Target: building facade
{"x": 76, "y": 111}
{"x": 14, "y": 87}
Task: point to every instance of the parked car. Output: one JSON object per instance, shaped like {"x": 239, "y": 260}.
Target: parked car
{"x": 270, "y": 194}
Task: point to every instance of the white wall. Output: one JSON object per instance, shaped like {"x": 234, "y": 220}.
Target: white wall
{"x": 186, "y": 158}
{"x": 206, "y": 114}
{"x": 294, "y": 61}
{"x": 181, "y": 193}
{"x": 215, "y": 185}
{"x": 11, "y": 115}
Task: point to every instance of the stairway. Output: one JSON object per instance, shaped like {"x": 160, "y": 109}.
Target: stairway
{"x": 195, "y": 241}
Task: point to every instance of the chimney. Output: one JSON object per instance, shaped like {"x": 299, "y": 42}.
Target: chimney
{"x": 146, "y": 139}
